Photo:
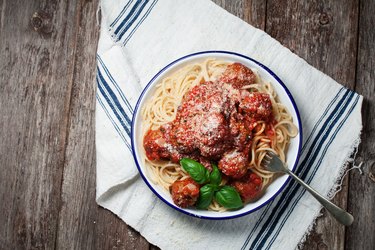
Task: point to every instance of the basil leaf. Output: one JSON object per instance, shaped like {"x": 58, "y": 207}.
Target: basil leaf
{"x": 229, "y": 198}
{"x": 215, "y": 176}
{"x": 206, "y": 194}
{"x": 196, "y": 170}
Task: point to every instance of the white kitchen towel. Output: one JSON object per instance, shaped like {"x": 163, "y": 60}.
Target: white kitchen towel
{"x": 138, "y": 38}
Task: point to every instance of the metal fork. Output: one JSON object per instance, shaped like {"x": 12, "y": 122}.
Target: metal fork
{"x": 272, "y": 163}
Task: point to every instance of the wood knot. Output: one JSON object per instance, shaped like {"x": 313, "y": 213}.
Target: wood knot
{"x": 322, "y": 246}
{"x": 41, "y": 22}
{"x": 324, "y": 18}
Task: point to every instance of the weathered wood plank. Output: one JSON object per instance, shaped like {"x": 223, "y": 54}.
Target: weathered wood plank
{"x": 253, "y": 12}
{"x": 36, "y": 58}
{"x": 77, "y": 217}
{"x": 324, "y": 33}
{"x": 82, "y": 223}
{"x": 361, "y": 235}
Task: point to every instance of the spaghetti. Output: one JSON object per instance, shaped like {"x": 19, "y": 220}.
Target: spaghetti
{"x": 238, "y": 114}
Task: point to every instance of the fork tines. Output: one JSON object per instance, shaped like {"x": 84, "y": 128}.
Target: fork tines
{"x": 268, "y": 156}
{"x": 266, "y": 159}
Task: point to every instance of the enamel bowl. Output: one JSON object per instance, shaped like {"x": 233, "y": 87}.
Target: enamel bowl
{"x": 284, "y": 96}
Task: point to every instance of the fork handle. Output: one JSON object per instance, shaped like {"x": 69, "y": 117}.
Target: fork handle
{"x": 340, "y": 214}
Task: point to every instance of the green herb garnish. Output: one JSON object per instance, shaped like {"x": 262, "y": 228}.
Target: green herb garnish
{"x": 226, "y": 196}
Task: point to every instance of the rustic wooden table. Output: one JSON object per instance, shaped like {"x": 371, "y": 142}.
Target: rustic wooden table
{"x": 47, "y": 114}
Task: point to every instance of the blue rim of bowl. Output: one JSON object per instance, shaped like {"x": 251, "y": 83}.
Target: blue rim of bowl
{"x": 227, "y": 53}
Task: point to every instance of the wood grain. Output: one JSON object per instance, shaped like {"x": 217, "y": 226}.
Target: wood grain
{"x": 361, "y": 235}
{"x": 252, "y": 12}
{"x": 34, "y": 106}
{"x": 324, "y": 33}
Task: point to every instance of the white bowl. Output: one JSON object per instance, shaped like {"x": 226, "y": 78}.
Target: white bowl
{"x": 266, "y": 74}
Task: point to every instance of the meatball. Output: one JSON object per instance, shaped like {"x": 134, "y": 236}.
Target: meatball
{"x": 155, "y": 145}
{"x": 249, "y": 186}
{"x": 185, "y": 192}
{"x": 200, "y": 124}
{"x": 237, "y": 75}
{"x": 234, "y": 164}
{"x": 256, "y": 105}
{"x": 240, "y": 129}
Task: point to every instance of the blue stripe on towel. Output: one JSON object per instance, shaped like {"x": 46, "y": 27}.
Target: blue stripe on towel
{"x": 127, "y": 17}
{"x": 112, "y": 80}
{"x": 121, "y": 14}
{"x": 140, "y": 22}
{"x": 130, "y": 18}
{"x": 130, "y": 23}
{"x": 113, "y": 102}
{"x": 121, "y": 134}
{"x": 303, "y": 169}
